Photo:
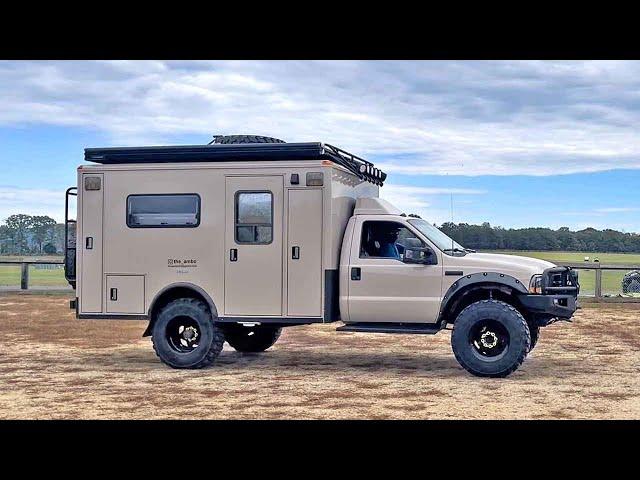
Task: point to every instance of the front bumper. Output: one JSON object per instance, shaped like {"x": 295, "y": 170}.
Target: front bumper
{"x": 559, "y": 298}
{"x": 560, "y": 306}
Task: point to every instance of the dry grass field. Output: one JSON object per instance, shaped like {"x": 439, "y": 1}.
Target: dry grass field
{"x": 53, "y": 366}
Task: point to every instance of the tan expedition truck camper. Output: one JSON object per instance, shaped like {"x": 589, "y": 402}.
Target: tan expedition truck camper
{"x": 234, "y": 240}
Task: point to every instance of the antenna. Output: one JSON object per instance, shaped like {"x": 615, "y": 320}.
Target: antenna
{"x": 451, "y": 193}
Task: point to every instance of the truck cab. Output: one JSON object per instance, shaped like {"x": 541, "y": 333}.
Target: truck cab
{"x": 235, "y": 240}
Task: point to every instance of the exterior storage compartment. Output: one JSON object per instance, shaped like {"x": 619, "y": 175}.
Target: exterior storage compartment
{"x": 125, "y": 294}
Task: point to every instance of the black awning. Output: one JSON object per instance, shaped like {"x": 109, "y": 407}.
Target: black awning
{"x": 236, "y": 152}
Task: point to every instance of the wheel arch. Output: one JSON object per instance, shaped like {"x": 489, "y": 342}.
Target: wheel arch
{"x": 479, "y": 286}
{"x": 173, "y": 291}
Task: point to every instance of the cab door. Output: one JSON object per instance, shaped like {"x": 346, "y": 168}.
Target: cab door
{"x": 253, "y": 240}
{"x": 388, "y": 290}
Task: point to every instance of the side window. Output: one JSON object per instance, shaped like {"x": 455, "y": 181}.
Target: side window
{"x": 386, "y": 240}
{"x": 165, "y": 210}
{"x": 254, "y": 217}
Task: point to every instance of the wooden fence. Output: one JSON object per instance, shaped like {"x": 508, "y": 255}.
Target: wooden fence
{"x": 599, "y": 268}
{"x": 24, "y": 269}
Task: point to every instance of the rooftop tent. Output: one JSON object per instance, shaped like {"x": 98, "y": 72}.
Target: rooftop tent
{"x": 237, "y": 152}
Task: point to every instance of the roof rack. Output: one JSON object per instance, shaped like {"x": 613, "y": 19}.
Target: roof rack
{"x": 356, "y": 165}
{"x": 360, "y": 167}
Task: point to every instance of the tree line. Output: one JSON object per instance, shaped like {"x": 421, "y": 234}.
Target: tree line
{"x": 486, "y": 237}
{"x": 39, "y": 234}
{"x": 31, "y": 235}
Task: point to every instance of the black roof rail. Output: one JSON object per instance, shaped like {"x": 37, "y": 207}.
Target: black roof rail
{"x": 360, "y": 167}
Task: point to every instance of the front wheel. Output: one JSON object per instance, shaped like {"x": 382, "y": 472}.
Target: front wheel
{"x": 490, "y": 338}
{"x": 251, "y": 339}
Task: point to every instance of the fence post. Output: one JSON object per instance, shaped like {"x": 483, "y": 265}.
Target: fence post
{"x": 24, "y": 276}
{"x": 598, "y": 291}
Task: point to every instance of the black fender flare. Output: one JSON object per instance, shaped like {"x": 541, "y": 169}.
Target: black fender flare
{"x": 478, "y": 279}
{"x": 183, "y": 285}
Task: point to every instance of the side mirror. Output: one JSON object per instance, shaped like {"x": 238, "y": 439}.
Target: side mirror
{"x": 419, "y": 255}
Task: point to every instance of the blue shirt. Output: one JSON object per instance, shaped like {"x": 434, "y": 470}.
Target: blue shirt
{"x": 389, "y": 250}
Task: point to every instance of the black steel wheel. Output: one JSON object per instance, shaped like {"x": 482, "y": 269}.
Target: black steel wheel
{"x": 490, "y": 338}
{"x": 184, "y": 334}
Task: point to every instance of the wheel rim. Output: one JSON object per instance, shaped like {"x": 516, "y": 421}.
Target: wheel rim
{"x": 489, "y": 340}
{"x": 183, "y": 334}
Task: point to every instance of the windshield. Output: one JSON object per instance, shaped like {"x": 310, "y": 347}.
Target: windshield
{"x": 441, "y": 239}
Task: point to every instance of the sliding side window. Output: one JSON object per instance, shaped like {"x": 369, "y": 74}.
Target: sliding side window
{"x": 163, "y": 211}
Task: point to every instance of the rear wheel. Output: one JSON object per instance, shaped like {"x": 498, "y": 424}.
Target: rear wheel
{"x": 490, "y": 338}
{"x": 251, "y": 339}
{"x": 185, "y": 336}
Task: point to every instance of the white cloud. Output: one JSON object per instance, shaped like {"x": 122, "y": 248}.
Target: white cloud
{"x": 31, "y": 202}
{"x": 472, "y": 118}
{"x": 419, "y": 200}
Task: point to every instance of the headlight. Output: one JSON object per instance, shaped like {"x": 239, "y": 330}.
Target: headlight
{"x": 535, "y": 284}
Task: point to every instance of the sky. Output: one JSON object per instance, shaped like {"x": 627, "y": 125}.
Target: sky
{"x": 512, "y": 143}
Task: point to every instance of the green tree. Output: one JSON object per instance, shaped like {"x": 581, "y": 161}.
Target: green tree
{"x": 5, "y": 240}
{"x": 42, "y": 228}
{"x": 18, "y": 228}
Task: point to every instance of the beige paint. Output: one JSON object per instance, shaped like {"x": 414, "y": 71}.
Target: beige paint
{"x": 92, "y": 260}
{"x": 147, "y": 251}
{"x": 253, "y": 283}
{"x": 390, "y": 290}
{"x": 265, "y": 281}
{"x": 129, "y": 294}
{"x": 304, "y": 277}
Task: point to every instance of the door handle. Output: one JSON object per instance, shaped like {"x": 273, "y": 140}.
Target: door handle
{"x": 356, "y": 273}
{"x": 88, "y": 243}
{"x": 233, "y": 255}
{"x": 114, "y": 294}
{"x": 295, "y": 253}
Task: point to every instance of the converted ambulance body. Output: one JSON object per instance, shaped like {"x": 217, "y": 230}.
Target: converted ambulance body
{"x": 235, "y": 240}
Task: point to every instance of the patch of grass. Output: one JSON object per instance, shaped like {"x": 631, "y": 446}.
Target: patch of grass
{"x": 38, "y": 277}
{"x": 10, "y": 275}
{"x": 611, "y": 280}
{"x": 559, "y": 257}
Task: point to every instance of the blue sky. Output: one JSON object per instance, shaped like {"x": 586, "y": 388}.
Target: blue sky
{"x": 514, "y": 143}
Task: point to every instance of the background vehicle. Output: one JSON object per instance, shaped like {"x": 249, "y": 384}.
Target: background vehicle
{"x": 235, "y": 240}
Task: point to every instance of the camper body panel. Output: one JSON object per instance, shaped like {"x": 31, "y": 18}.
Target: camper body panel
{"x": 90, "y": 241}
{"x": 261, "y": 281}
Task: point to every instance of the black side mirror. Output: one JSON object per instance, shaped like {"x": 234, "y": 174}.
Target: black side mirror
{"x": 419, "y": 255}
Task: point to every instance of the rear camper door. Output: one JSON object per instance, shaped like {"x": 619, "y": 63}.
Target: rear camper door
{"x": 90, "y": 244}
{"x": 253, "y": 240}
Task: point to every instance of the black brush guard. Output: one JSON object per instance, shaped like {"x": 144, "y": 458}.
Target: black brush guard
{"x": 560, "y": 281}
{"x": 560, "y": 290}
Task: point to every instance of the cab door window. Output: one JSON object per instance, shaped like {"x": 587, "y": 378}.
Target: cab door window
{"x": 383, "y": 239}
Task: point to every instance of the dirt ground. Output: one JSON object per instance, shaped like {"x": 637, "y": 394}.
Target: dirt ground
{"x": 54, "y": 366}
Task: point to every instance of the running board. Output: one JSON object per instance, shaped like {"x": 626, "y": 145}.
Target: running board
{"x": 426, "y": 329}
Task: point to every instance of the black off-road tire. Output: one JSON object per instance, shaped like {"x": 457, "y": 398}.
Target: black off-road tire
{"x": 210, "y": 340}
{"x": 503, "y": 318}
{"x": 233, "y": 139}
{"x": 534, "y": 331}
{"x": 251, "y": 339}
